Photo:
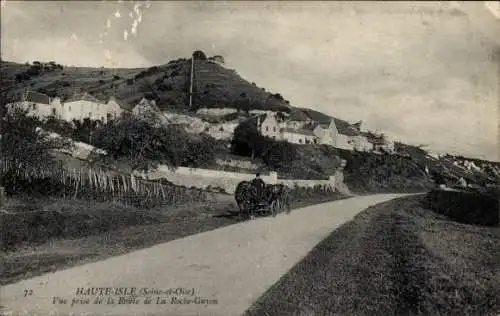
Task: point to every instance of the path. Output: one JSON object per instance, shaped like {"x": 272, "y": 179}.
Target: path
{"x": 233, "y": 265}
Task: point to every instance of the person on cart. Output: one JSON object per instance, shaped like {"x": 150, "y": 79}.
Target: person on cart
{"x": 259, "y": 185}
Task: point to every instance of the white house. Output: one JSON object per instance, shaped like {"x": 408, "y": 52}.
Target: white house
{"x": 382, "y": 144}
{"x": 299, "y": 136}
{"x": 77, "y": 107}
{"x": 83, "y": 105}
{"x": 223, "y": 131}
{"x": 268, "y": 125}
{"x": 361, "y": 143}
{"x": 38, "y": 104}
{"x": 340, "y": 134}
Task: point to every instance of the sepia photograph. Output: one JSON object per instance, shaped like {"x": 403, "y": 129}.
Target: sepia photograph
{"x": 253, "y": 158}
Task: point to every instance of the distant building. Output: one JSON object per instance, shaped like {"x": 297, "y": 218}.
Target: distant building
{"x": 382, "y": 144}
{"x": 82, "y": 106}
{"x": 271, "y": 126}
{"x": 223, "y": 131}
{"x": 78, "y": 107}
{"x": 300, "y": 136}
{"x": 268, "y": 125}
{"x": 37, "y": 104}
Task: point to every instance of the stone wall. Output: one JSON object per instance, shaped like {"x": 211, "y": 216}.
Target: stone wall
{"x": 204, "y": 178}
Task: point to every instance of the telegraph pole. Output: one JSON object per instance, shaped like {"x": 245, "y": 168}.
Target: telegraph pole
{"x": 191, "y": 81}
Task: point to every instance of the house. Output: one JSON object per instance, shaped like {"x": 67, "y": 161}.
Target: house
{"x": 336, "y": 132}
{"x": 77, "y": 107}
{"x": 296, "y": 121}
{"x": 272, "y": 126}
{"x": 268, "y": 125}
{"x": 116, "y": 107}
{"x": 37, "y": 104}
{"x": 360, "y": 141}
{"x": 82, "y": 106}
{"x": 298, "y": 136}
{"x": 381, "y": 143}
{"x": 148, "y": 110}
{"x": 223, "y": 131}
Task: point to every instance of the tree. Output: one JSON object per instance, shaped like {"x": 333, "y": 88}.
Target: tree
{"x": 199, "y": 55}
{"x": 25, "y": 146}
{"x": 248, "y": 142}
{"x": 279, "y": 155}
{"x": 244, "y": 139}
{"x": 143, "y": 146}
{"x": 83, "y": 130}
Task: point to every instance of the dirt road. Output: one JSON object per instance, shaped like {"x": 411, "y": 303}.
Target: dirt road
{"x": 227, "y": 269}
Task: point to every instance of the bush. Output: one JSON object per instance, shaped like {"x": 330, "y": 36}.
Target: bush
{"x": 144, "y": 145}
{"x": 25, "y": 146}
{"x": 33, "y": 72}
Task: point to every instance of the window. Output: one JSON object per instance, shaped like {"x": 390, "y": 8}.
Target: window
{"x": 69, "y": 108}
{"x": 300, "y": 140}
{"x": 109, "y": 116}
{"x": 102, "y": 118}
{"x": 267, "y": 128}
{"x": 315, "y": 141}
{"x": 274, "y": 129}
{"x": 53, "y": 111}
{"x": 34, "y": 106}
{"x": 307, "y": 141}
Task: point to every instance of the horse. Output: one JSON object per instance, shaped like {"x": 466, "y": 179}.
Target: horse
{"x": 244, "y": 196}
{"x": 277, "y": 196}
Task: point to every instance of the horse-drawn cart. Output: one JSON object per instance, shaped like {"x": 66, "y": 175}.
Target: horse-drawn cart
{"x": 273, "y": 198}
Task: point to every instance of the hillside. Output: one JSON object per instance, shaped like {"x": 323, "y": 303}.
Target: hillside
{"x": 215, "y": 85}
{"x": 218, "y": 86}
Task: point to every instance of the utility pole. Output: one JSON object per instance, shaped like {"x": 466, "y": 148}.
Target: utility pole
{"x": 191, "y": 81}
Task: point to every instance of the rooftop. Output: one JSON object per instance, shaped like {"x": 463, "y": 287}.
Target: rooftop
{"x": 36, "y": 97}
{"x": 85, "y": 96}
{"x": 300, "y": 131}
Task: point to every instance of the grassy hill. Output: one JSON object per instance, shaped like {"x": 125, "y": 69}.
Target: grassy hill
{"x": 215, "y": 85}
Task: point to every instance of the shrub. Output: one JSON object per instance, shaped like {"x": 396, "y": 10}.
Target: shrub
{"x": 33, "y": 72}
{"x": 25, "y": 146}
{"x": 144, "y": 145}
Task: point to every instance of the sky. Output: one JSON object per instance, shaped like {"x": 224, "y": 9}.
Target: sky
{"x": 425, "y": 73}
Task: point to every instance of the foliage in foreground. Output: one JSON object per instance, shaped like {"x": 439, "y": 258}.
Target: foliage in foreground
{"x": 144, "y": 145}
{"x": 25, "y": 146}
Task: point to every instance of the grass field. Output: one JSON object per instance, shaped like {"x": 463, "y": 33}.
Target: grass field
{"x": 396, "y": 258}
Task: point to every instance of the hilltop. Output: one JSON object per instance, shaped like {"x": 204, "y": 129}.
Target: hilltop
{"x": 168, "y": 85}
